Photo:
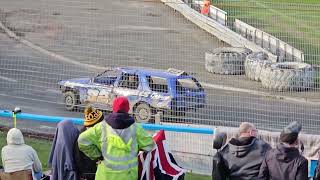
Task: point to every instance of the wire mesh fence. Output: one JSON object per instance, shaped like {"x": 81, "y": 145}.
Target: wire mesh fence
{"x": 292, "y": 22}
{"x": 78, "y": 39}
{"x": 59, "y": 40}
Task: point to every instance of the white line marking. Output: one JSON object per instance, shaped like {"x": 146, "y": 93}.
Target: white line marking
{"x": 8, "y": 79}
{"x": 258, "y": 93}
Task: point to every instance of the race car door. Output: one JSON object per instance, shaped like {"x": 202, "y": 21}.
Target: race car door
{"x": 103, "y": 90}
{"x": 128, "y": 86}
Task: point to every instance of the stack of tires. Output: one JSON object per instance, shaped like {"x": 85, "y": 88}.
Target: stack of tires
{"x": 255, "y": 63}
{"x": 226, "y": 60}
{"x": 283, "y": 76}
{"x": 287, "y": 76}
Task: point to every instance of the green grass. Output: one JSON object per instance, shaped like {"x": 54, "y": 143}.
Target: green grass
{"x": 191, "y": 176}
{"x": 43, "y": 149}
{"x": 41, "y": 146}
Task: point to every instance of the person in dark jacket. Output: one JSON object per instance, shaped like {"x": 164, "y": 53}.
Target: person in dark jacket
{"x": 86, "y": 167}
{"x": 241, "y": 157}
{"x": 285, "y": 161}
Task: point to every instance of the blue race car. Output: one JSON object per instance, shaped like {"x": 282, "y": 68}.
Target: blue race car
{"x": 149, "y": 91}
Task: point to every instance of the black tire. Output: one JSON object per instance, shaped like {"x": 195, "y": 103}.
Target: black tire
{"x": 143, "y": 113}
{"x": 70, "y": 101}
{"x": 288, "y": 76}
{"x": 226, "y": 60}
{"x": 254, "y": 65}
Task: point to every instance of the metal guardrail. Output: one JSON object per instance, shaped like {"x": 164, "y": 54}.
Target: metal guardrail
{"x": 280, "y": 48}
{"x": 151, "y": 127}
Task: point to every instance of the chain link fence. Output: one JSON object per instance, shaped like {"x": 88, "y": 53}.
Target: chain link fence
{"x": 42, "y": 43}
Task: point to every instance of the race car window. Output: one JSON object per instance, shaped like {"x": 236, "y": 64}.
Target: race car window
{"x": 130, "y": 81}
{"x": 158, "y": 84}
{"x": 107, "y": 77}
{"x": 186, "y": 84}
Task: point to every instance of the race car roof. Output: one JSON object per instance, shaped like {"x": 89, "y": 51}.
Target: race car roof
{"x": 170, "y": 73}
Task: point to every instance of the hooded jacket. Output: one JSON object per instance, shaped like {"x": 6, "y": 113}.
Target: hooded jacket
{"x": 90, "y": 143}
{"x": 284, "y": 162}
{"x": 240, "y": 159}
{"x": 61, "y": 158}
{"x": 17, "y": 156}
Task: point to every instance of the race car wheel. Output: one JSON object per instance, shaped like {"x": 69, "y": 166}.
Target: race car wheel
{"x": 143, "y": 113}
{"x": 70, "y": 101}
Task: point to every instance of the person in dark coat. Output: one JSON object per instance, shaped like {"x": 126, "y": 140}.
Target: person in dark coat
{"x": 61, "y": 159}
{"x": 241, "y": 157}
{"x": 86, "y": 167}
{"x": 285, "y": 161}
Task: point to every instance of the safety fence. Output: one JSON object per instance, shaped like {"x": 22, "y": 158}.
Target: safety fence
{"x": 197, "y": 160}
{"x": 44, "y": 43}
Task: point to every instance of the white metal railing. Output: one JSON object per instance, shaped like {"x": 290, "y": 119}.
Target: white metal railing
{"x": 280, "y": 48}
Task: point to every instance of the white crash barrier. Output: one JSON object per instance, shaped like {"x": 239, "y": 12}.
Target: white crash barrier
{"x": 269, "y": 42}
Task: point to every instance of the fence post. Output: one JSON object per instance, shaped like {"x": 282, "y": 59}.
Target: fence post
{"x": 157, "y": 118}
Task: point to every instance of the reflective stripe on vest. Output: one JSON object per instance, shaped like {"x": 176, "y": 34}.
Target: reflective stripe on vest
{"x": 129, "y": 135}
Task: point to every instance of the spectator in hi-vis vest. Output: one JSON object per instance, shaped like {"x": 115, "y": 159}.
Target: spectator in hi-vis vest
{"x": 205, "y": 10}
{"x": 117, "y": 139}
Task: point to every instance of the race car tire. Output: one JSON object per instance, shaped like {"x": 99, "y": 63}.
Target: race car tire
{"x": 70, "y": 100}
{"x": 226, "y": 60}
{"x": 286, "y": 76}
{"x": 143, "y": 113}
{"x": 254, "y": 64}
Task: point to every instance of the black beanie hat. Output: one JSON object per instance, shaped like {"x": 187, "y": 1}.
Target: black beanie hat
{"x": 290, "y": 133}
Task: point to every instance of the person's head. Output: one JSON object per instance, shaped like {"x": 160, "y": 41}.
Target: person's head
{"x": 15, "y": 137}
{"x": 120, "y": 105}
{"x": 247, "y": 130}
{"x": 92, "y": 116}
{"x": 290, "y": 133}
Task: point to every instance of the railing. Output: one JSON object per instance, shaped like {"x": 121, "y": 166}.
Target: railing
{"x": 280, "y": 48}
{"x": 150, "y": 127}
{"x": 191, "y": 152}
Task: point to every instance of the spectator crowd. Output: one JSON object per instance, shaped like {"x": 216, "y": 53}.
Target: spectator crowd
{"x": 107, "y": 148}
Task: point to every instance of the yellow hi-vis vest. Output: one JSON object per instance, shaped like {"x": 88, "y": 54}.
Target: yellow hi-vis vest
{"x": 119, "y": 147}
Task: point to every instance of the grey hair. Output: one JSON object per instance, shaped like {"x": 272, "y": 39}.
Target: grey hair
{"x": 245, "y": 127}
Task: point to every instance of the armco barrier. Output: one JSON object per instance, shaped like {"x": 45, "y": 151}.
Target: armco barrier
{"x": 151, "y": 127}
